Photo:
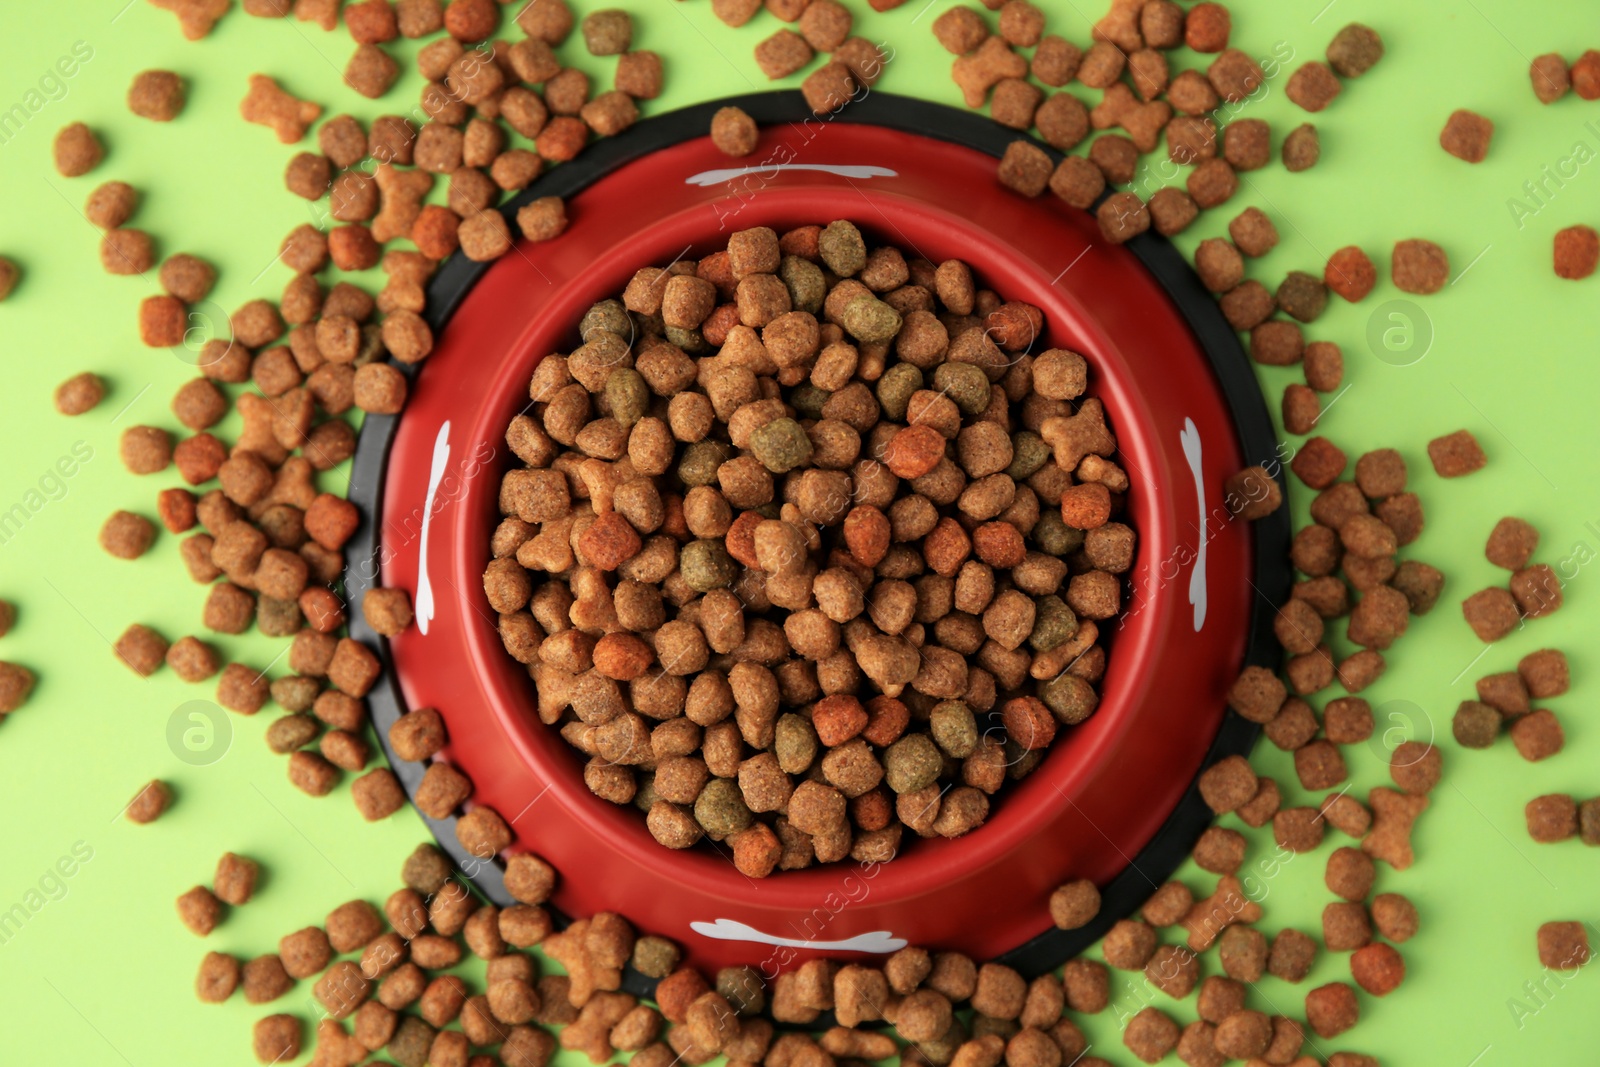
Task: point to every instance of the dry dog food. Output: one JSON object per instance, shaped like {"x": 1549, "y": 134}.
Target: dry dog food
{"x": 16, "y": 682}
{"x": 1419, "y": 266}
{"x": 1313, "y": 87}
{"x": 1550, "y": 77}
{"x": 1563, "y": 946}
{"x": 79, "y": 394}
{"x": 1577, "y": 252}
{"x": 1301, "y": 148}
{"x": 757, "y": 476}
{"x": 147, "y": 805}
{"x": 1585, "y": 75}
{"x": 1354, "y": 50}
{"x": 734, "y": 132}
{"x": 1456, "y": 454}
{"x": 1350, "y": 274}
{"x": 156, "y": 95}
{"x": 77, "y": 150}
{"x": 269, "y": 105}
{"x": 1466, "y": 136}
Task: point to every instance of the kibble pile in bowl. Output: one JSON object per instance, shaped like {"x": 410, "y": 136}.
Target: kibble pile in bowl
{"x": 809, "y": 545}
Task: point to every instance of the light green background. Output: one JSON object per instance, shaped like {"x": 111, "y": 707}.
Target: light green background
{"x": 104, "y": 973}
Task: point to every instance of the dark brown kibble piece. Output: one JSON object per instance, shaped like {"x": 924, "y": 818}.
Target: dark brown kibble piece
{"x": 1354, "y": 50}
{"x": 1301, "y": 148}
{"x": 1313, "y": 86}
{"x": 1252, "y": 494}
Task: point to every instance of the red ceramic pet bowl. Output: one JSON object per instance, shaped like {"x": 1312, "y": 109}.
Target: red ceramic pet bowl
{"x": 1113, "y": 800}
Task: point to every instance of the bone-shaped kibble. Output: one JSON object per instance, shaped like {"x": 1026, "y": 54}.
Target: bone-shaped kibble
{"x": 986, "y": 66}
{"x": 1142, "y": 121}
{"x": 566, "y": 948}
{"x": 323, "y": 13}
{"x": 403, "y": 192}
{"x": 1075, "y": 436}
{"x": 602, "y": 479}
{"x": 269, "y": 105}
{"x": 196, "y": 17}
{"x": 1209, "y": 917}
{"x": 257, "y": 414}
{"x": 1393, "y": 816}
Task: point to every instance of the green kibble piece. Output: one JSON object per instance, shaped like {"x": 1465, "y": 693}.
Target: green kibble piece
{"x": 628, "y": 396}
{"x": 1020, "y": 761}
{"x": 965, "y": 384}
{"x": 293, "y": 731}
{"x": 1028, "y": 454}
{"x": 655, "y": 957}
{"x": 1589, "y": 822}
{"x": 770, "y": 510}
{"x": 1069, "y": 698}
{"x": 743, "y": 988}
{"x": 700, "y": 462}
{"x": 954, "y": 728}
{"x": 807, "y": 400}
{"x": 912, "y": 763}
{"x": 1054, "y": 536}
{"x": 871, "y": 321}
{"x": 720, "y": 808}
{"x": 688, "y": 340}
{"x": 608, "y": 316}
{"x": 1053, "y": 624}
{"x": 781, "y": 445}
{"x": 794, "y": 743}
{"x": 895, "y": 388}
{"x": 842, "y": 248}
{"x": 706, "y": 565}
{"x": 807, "y": 287}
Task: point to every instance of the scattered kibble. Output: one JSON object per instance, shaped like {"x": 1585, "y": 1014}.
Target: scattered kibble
{"x": 1577, "y": 252}
{"x": 157, "y": 95}
{"x": 1466, "y": 136}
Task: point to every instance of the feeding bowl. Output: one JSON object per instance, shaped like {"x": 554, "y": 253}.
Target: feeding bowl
{"x": 1114, "y": 798}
